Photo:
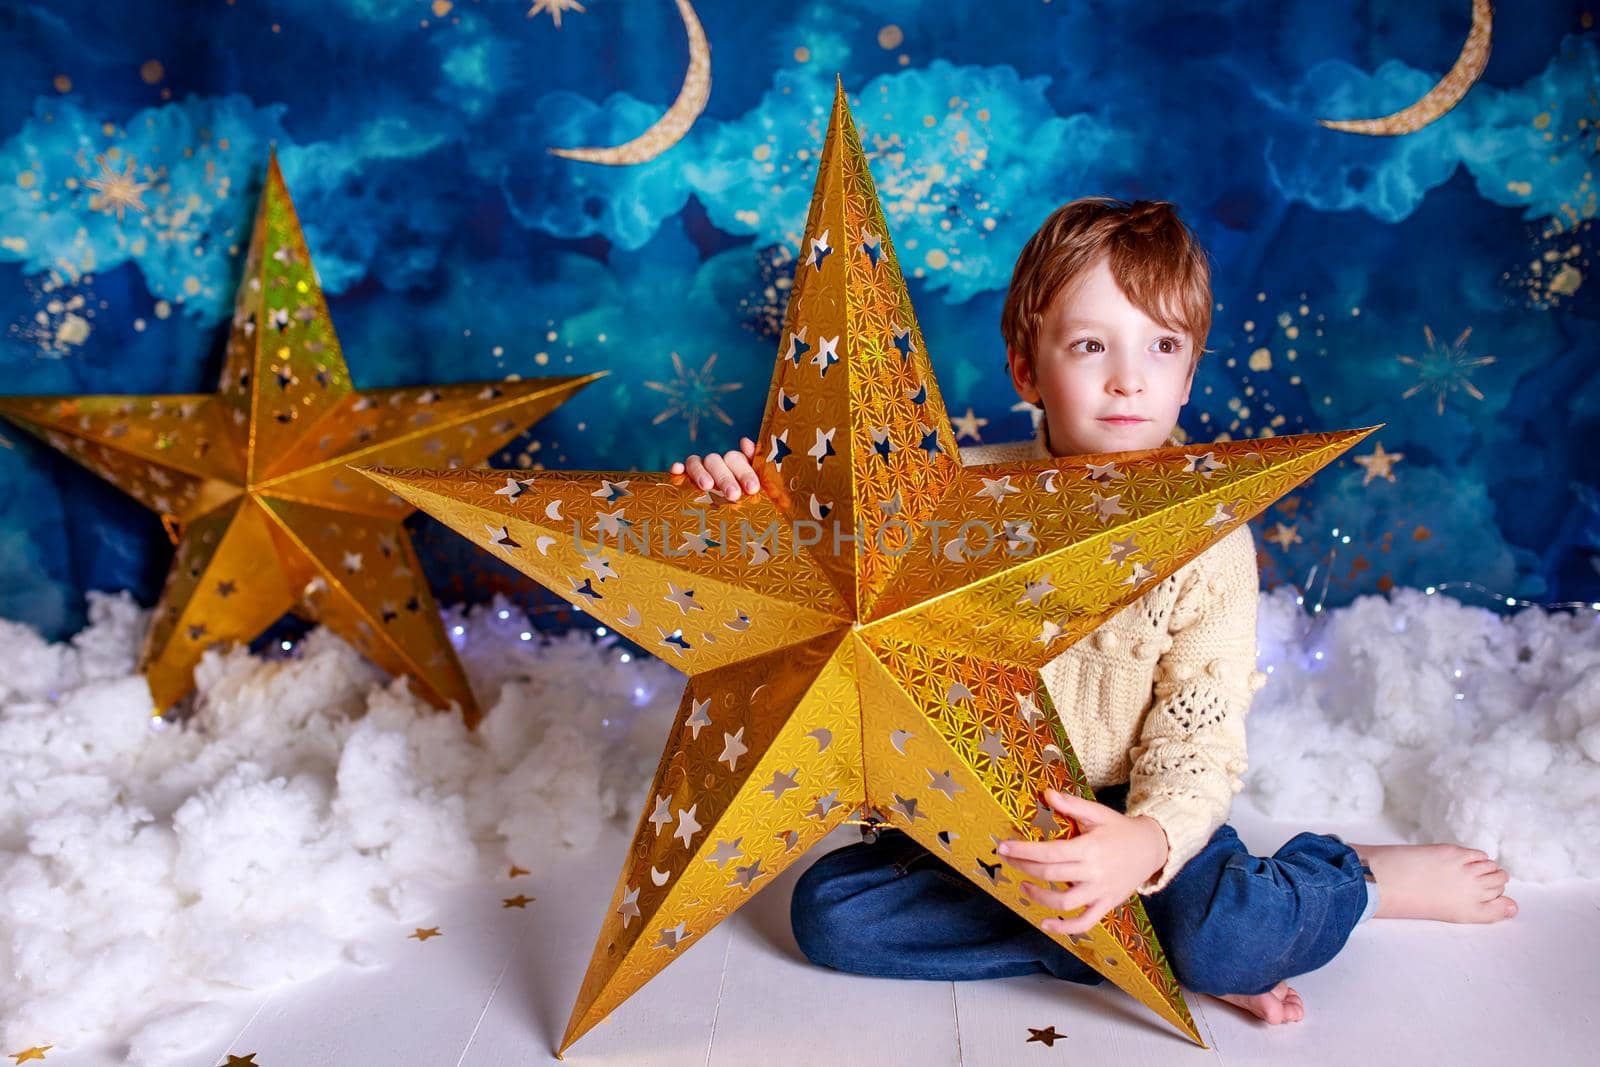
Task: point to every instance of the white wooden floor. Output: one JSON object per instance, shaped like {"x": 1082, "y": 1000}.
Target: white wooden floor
{"x": 495, "y": 987}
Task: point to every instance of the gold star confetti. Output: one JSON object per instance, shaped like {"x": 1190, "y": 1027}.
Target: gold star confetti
{"x": 883, "y": 680}
{"x": 251, "y": 485}
{"x": 693, "y": 395}
{"x": 1444, "y": 369}
{"x": 423, "y": 933}
{"x": 35, "y": 1053}
{"x": 1285, "y": 536}
{"x": 1048, "y": 1036}
{"x": 518, "y": 901}
{"x": 968, "y": 425}
{"x": 515, "y": 872}
{"x": 247, "y": 1060}
{"x": 1378, "y": 463}
{"x": 555, "y": 7}
{"x": 116, "y": 192}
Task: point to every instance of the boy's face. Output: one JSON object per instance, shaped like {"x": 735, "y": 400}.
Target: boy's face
{"x": 1099, "y": 357}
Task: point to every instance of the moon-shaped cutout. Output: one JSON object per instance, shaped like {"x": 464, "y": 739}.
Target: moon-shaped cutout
{"x": 1443, "y": 96}
{"x": 543, "y": 544}
{"x": 822, "y": 736}
{"x": 632, "y": 618}
{"x": 952, "y": 550}
{"x": 660, "y": 877}
{"x": 898, "y": 739}
{"x": 1047, "y": 480}
{"x": 552, "y": 511}
{"x": 669, "y": 129}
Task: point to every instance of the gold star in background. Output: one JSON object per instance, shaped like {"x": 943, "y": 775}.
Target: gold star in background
{"x": 873, "y": 676}
{"x": 968, "y": 425}
{"x": 518, "y": 901}
{"x": 423, "y": 933}
{"x": 35, "y": 1053}
{"x": 114, "y": 191}
{"x": 515, "y": 872}
{"x": 1284, "y": 536}
{"x": 555, "y": 8}
{"x": 247, "y": 1060}
{"x": 1047, "y": 1037}
{"x": 251, "y": 484}
{"x": 1378, "y": 463}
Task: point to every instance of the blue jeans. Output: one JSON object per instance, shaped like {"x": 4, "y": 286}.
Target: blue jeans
{"x": 1230, "y": 922}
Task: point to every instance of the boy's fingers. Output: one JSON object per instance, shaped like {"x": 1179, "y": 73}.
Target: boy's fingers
{"x": 747, "y": 446}
{"x": 1046, "y": 872}
{"x": 695, "y": 467}
{"x": 1062, "y": 900}
{"x": 724, "y": 477}
{"x": 1092, "y": 914}
{"x": 739, "y": 465}
{"x": 1040, "y": 851}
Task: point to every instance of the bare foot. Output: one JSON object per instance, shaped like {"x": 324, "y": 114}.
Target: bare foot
{"x": 1448, "y": 883}
{"x": 1280, "y": 1004}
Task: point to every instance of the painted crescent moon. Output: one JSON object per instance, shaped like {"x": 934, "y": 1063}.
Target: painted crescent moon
{"x": 1443, "y": 96}
{"x": 669, "y": 129}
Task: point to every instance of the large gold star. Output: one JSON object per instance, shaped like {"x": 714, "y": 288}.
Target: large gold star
{"x": 251, "y": 484}
{"x": 1378, "y": 463}
{"x": 893, "y": 678}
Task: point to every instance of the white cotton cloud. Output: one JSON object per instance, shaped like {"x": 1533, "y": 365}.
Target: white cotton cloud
{"x": 145, "y": 872}
{"x": 1376, "y": 725}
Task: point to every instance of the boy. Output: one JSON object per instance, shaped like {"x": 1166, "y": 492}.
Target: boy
{"x": 1107, "y": 315}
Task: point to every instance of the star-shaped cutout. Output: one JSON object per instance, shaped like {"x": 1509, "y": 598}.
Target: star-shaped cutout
{"x": 726, "y": 852}
{"x": 629, "y": 908}
{"x": 252, "y": 483}
{"x": 732, "y": 748}
{"x": 820, "y": 249}
{"x": 851, "y": 646}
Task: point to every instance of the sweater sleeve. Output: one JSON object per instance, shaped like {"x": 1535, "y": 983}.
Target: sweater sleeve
{"x": 1190, "y": 756}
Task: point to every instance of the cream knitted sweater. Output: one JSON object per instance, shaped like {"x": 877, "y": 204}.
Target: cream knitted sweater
{"x": 1157, "y": 695}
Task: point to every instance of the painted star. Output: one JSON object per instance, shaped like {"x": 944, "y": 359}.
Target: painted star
{"x": 1048, "y": 1036}
{"x": 116, "y": 192}
{"x": 1378, "y": 463}
{"x": 555, "y": 7}
{"x": 1285, "y": 536}
{"x": 968, "y": 425}
{"x": 253, "y": 483}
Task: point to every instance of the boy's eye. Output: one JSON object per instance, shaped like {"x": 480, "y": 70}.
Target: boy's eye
{"x": 1087, "y": 341}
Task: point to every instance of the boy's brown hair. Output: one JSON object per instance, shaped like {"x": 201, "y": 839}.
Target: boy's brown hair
{"x": 1156, "y": 260}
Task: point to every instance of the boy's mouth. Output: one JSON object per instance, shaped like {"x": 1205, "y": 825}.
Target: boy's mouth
{"x": 1123, "y": 420}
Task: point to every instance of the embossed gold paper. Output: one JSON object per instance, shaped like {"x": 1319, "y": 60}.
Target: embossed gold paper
{"x": 896, "y": 675}
{"x": 252, "y": 486}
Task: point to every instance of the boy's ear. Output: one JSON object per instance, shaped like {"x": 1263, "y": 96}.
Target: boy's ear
{"x": 1022, "y": 376}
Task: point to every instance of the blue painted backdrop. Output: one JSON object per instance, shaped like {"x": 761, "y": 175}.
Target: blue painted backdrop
{"x": 453, "y": 246}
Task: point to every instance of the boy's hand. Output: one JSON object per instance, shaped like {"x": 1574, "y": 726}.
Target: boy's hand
{"x": 1111, "y": 857}
{"x": 729, "y": 472}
